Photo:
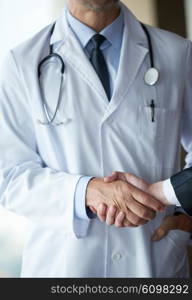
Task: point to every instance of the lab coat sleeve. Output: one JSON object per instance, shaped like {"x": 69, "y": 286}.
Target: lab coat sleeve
{"x": 27, "y": 187}
{"x": 82, "y": 212}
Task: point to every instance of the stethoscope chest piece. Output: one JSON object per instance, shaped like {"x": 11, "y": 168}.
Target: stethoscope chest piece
{"x": 151, "y": 76}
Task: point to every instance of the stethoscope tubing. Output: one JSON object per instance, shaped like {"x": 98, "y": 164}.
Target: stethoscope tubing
{"x": 52, "y": 54}
{"x": 151, "y": 55}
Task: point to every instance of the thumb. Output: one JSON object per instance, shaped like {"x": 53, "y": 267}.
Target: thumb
{"x": 111, "y": 178}
{"x": 116, "y": 176}
{"x": 159, "y": 234}
{"x": 169, "y": 223}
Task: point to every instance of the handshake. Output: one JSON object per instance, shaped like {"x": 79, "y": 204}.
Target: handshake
{"x": 125, "y": 200}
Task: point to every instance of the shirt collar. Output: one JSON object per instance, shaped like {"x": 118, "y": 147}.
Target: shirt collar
{"x": 112, "y": 32}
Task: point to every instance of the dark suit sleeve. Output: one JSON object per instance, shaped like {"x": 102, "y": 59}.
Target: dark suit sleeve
{"x": 182, "y": 184}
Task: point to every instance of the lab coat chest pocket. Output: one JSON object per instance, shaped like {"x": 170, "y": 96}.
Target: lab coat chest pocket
{"x": 157, "y": 128}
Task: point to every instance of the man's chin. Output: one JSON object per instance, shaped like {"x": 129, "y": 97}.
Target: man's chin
{"x": 99, "y": 5}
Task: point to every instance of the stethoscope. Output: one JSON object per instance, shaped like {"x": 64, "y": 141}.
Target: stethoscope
{"x": 151, "y": 78}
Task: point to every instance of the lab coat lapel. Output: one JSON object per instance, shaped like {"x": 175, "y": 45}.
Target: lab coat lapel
{"x": 133, "y": 52}
{"x": 72, "y": 52}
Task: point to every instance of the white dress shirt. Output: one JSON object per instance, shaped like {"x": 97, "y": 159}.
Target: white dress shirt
{"x": 170, "y": 193}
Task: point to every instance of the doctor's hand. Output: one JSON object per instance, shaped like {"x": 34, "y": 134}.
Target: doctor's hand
{"x": 180, "y": 222}
{"x": 156, "y": 190}
{"x": 127, "y": 203}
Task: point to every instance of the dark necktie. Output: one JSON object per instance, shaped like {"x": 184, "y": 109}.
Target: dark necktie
{"x": 98, "y": 61}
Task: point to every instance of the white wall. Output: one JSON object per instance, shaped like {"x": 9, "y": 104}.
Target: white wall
{"x": 19, "y": 19}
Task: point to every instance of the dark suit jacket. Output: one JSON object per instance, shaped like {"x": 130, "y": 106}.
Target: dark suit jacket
{"x": 182, "y": 184}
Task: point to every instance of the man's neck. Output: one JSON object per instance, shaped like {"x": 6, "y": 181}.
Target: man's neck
{"x": 94, "y": 19}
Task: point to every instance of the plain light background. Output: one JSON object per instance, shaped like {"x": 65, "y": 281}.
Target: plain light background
{"x": 20, "y": 19}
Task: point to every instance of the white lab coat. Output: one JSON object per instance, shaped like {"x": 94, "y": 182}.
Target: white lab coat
{"x": 41, "y": 166}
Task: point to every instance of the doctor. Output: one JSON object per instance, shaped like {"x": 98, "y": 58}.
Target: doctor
{"x": 70, "y": 118}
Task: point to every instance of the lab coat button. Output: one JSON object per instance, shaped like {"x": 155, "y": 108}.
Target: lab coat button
{"x": 116, "y": 256}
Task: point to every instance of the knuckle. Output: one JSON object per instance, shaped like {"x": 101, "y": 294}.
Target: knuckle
{"x": 136, "y": 220}
{"x": 144, "y": 213}
{"x": 155, "y": 204}
{"x": 131, "y": 177}
{"x": 146, "y": 198}
{"x": 101, "y": 215}
{"x": 140, "y": 222}
{"x": 127, "y": 223}
{"x": 148, "y": 214}
{"x": 141, "y": 181}
{"x": 162, "y": 231}
{"x": 118, "y": 225}
{"x": 100, "y": 209}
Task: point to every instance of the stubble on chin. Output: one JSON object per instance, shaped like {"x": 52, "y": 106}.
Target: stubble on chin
{"x": 99, "y": 5}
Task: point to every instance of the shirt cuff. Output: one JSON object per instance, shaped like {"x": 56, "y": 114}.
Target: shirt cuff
{"x": 170, "y": 193}
{"x": 81, "y": 210}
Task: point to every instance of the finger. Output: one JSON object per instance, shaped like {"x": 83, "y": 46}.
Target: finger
{"x": 128, "y": 224}
{"x": 134, "y": 180}
{"x": 169, "y": 223}
{"x": 111, "y": 178}
{"x": 184, "y": 222}
{"x": 134, "y": 219}
{"x": 140, "y": 210}
{"x": 147, "y": 200}
{"x": 159, "y": 234}
{"x": 110, "y": 218}
{"x": 120, "y": 220}
{"x": 101, "y": 212}
{"x": 93, "y": 209}
{"x": 115, "y": 176}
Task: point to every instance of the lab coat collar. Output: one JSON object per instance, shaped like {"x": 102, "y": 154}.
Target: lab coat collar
{"x": 67, "y": 45}
{"x": 83, "y": 32}
{"x": 134, "y": 49}
{"x": 135, "y": 30}
{"x": 112, "y": 32}
{"x": 59, "y": 33}
{"x": 133, "y": 52}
